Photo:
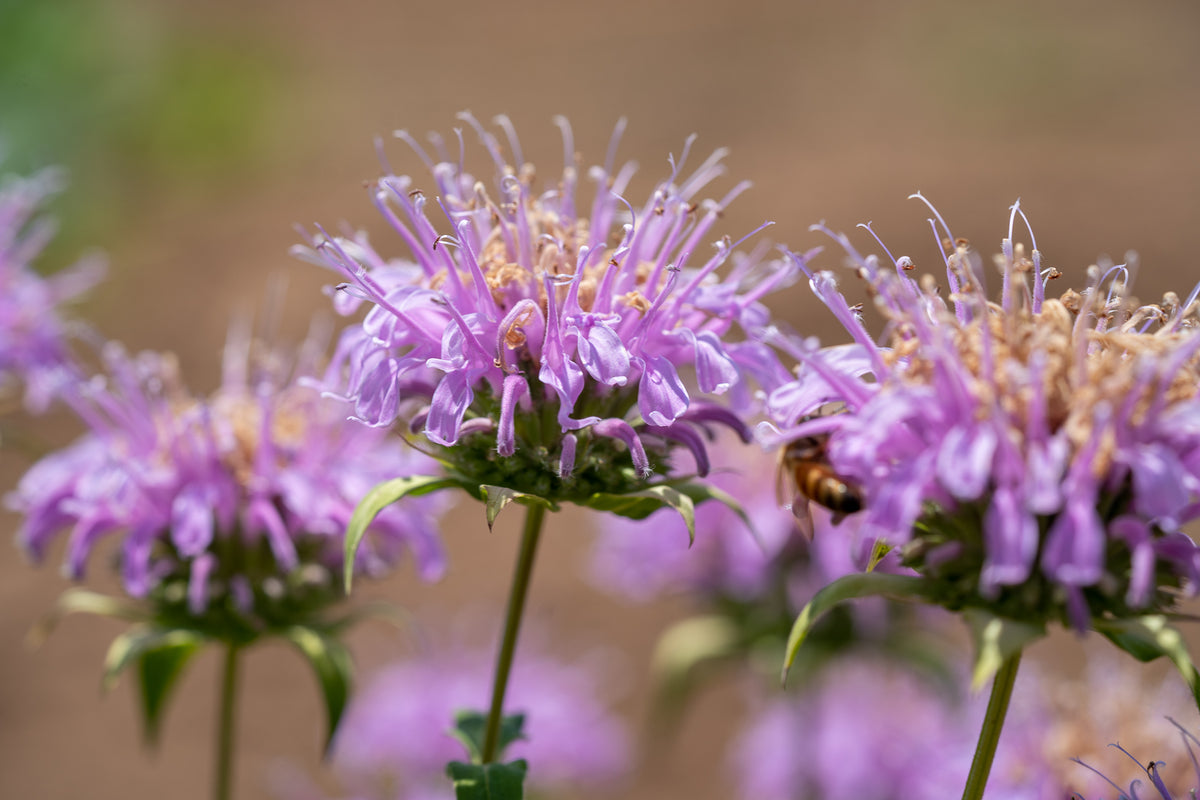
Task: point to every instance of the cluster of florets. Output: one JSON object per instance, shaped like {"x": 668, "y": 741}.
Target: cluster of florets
{"x": 541, "y": 344}
{"x": 33, "y": 337}
{"x": 1033, "y": 455}
{"x": 232, "y": 504}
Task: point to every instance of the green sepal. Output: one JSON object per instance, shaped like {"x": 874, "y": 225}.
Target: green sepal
{"x": 159, "y": 671}
{"x": 644, "y": 502}
{"x": 333, "y": 668}
{"x": 495, "y": 498}
{"x": 82, "y": 601}
{"x": 848, "y": 587}
{"x": 380, "y": 497}
{"x": 470, "y": 728}
{"x": 1150, "y": 637}
{"x": 700, "y": 491}
{"x": 488, "y": 781}
{"x": 160, "y": 655}
{"x": 996, "y": 640}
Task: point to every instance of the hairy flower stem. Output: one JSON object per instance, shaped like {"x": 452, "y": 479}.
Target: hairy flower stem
{"x": 512, "y": 625}
{"x": 993, "y": 722}
{"x": 223, "y": 777}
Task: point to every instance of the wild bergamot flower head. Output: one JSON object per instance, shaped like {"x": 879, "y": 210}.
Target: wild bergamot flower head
{"x": 33, "y": 335}
{"x": 1031, "y": 454}
{"x": 544, "y": 339}
{"x": 231, "y": 506}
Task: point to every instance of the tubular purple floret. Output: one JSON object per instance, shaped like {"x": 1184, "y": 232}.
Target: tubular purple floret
{"x": 379, "y": 199}
{"x": 568, "y": 173}
{"x": 566, "y": 459}
{"x": 514, "y": 144}
{"x": 621, "y": 430}
{"x": 687, "y": 436}
{"x": 515, "y": 389}
{"x": 407, "y": 138}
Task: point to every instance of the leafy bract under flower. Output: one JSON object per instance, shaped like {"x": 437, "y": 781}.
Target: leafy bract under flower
{"x": 235, "y": 503}
{"x": 1033, "y": 455}
{"x": 549, "y": 335}
{"x": 33, "y": 337}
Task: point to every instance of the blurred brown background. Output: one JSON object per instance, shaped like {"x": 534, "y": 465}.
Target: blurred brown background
{"x": 197, "y": 134}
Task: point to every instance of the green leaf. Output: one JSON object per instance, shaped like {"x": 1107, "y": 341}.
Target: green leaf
{"x": 82, "y": 601}
{"x": 380, "y": 498}
{"x": 488, "y": 781}
{"x": 643, "y": 503}
{"x": 470, "y": 728}
{"x": 1150, "y": 637}
{"x": 699, "y": 492}
{"x": 847, "y": 587}
{"x": 497, "y": 497}
{"x": 996, "y": 640}
{"x": 331, "y": 663}
{"x": 161, "y": 655}
{"x": 159, "y": 670}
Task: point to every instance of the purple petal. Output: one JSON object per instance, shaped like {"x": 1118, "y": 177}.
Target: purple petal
{"x": 192, "y": 520}
{"x": 515, "y": 388}
{"x": 715, "y": 370}
{"x": 1074, "y": 552}
{"x": 620, "y": 429}
{"x": 602, "y": 353}
{"x": 1011, "y": 541}
{"x": 661, "y": 394}
{"x": 964, "y": 460}
{"x": 449, "y": 403}
{"x": 197, "y": 590}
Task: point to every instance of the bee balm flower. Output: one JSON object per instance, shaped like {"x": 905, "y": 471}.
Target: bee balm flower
{"x": 548, "y": 332}
{"x": 1033, "y": 455}
{"x": 224, "y": 502}
{"x": 32, "y": 334}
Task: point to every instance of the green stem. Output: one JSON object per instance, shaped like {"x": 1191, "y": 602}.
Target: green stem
{"x": 223, "y": 779}
{"x": 512, "y": 625}
{"x": 993, "y": 722}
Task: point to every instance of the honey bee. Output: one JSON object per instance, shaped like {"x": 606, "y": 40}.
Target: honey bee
{"x": 804, "y": 466}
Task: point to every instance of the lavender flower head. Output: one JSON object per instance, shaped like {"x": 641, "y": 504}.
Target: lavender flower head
{"x": 33, "y": 337}
{"x": 232, "y": 503}
{"x": 394, "y": 732}
{"x": 1034, "y": 455}
{"x": 863, "y": 732}
{"x": 545, "y": 331}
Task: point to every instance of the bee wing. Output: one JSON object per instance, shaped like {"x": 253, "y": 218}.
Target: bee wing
{"x": 802, "y": 511}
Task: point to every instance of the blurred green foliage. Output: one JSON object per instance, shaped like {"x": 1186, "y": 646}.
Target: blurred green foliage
{"x": 124, "y": 95}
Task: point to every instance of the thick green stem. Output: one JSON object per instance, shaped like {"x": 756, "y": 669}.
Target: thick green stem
{"x": 223, "y": 778}
{"x": 512, "y": 625}
{"x": 993, "y": 722}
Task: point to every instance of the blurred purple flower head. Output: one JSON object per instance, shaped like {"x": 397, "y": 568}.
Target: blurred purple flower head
{"x": 33, "y": 347}
{"x": 1035, "y": 455}
{"x": 394, "y": 732}
{"x": 865, "y": 732}
{"x": 546, "y": 331}
{"x": 238, "y": 497}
